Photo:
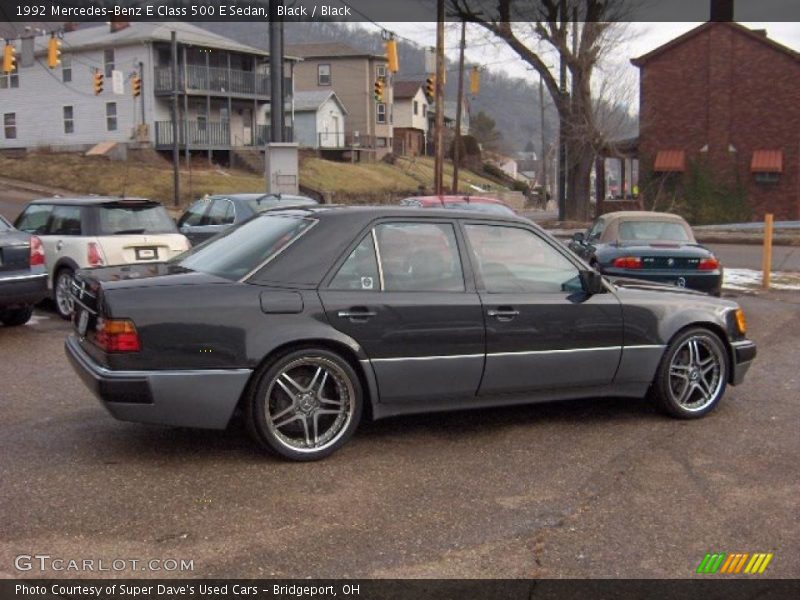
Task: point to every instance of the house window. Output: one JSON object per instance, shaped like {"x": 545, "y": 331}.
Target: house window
{"x": 380, "y": 115}
{"x": 424, "y": 110}
{"x": 108, "y": 60}
{"x": 416, "y": 108}
{"x": 381, "y": 142}
{"x": 69, "y": 120}
{"x": 323, "y": 74}
{"x": 111, "y": 116}
{"x": 10, "y": 125}
{"x": 66, "y": 68}
{"x": 223, "y": 114}
{"x": 380, "y": 71}
{"x": 768, "y": 177}
{"x": 9, "y": 80}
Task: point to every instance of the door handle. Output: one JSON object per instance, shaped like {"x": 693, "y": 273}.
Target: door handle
{"x": 59, "y": 245}
{"x": 503, "y": 313}
{"x": 356, "y": 313}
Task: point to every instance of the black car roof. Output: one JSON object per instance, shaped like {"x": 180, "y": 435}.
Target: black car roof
{"x": 368, "y": 212}
{"x": 89, "y": 200}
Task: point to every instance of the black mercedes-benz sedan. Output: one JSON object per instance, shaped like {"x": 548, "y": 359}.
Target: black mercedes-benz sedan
{"x": 23, "y": 278}
{"x": 651, "y": 246}
{"x": 307, "y": 318}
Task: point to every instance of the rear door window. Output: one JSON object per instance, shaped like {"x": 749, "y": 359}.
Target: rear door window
{"x": 220, "y": 213}
{"x": 66, "y": 221}
{"x": 419, "y": 257}
{"x": 360, "y": 270}
{"x": 34, "y": 218}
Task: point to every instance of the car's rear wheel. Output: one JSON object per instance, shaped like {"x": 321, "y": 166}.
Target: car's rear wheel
{"x": 16, "y": 316}
{"x": 62, "y": 294}
{"x": 693, "y": 374}
{"x": 305, "y": 405}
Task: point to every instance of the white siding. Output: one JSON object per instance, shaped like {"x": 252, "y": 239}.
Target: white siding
{"x": 41, "y": 96}
{"x": 404, "y": 112}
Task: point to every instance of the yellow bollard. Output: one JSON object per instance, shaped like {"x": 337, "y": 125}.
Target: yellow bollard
{"x": 766, "y": 265}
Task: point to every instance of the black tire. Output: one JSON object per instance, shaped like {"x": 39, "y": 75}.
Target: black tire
{"x": 325, "y": 390}
{"x": 15, "y": 317}
{"x": 693, "y": 374}
{"x": 63, "y": 304}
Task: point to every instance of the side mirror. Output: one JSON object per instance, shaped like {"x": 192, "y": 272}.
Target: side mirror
{"x": 592, "y": 282}
{"x": 578, "y": 237}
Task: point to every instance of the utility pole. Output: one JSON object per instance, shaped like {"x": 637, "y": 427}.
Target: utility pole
{"x": 176, "y": 154}
{"x": 275, "y": 75}
{"x": 457, "y": 145}
{"x": 438, "y": 175}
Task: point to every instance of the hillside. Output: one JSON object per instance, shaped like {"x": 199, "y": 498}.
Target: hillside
{"x": 341, "y": 182}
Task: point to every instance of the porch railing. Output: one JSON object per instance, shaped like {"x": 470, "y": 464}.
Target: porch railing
{"x": 216, "y": 79}
{"x": 204, "y": 134}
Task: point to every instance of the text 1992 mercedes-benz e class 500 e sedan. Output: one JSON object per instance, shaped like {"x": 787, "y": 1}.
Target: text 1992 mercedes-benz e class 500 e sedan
{"x": 303, "y": 317}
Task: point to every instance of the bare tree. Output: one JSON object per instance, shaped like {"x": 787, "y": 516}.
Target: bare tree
{"x": 532, "y": 28}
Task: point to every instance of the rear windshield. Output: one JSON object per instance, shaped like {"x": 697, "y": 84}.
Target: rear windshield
{"x": 121, "y": 219}
{"x": 267, "y": 202}
{"x": 653, "y": 230}
{"x": 240, "y": 250}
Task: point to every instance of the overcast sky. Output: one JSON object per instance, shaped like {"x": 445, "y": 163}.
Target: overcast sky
{"x": 638, "y": 39}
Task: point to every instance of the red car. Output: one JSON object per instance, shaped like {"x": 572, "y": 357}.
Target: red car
{"x": 476, "y": 203}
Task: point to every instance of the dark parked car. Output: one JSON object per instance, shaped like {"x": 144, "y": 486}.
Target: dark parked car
{"x": 476, "y": 203}
{"x": 652, "y": 246}
{"x": 210, "y": 215}
{"x": 304, "y": 317}
{"x": 23, "y": 279}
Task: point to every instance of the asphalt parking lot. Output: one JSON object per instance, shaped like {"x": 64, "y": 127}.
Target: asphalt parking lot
{"x": 597, "y": 488}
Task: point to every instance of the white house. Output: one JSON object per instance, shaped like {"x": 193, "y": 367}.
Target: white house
{"x": 319, "y": 119}
{"x": 222, "y": 86}
{"x": 410, "y": 118}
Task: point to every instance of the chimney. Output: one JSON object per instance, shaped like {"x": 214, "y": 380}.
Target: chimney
{"x": 118, "y": 25}
{"x": 722, "y": 10}
{"x": 761, "y": 32}
{"x": 70, "y": 26}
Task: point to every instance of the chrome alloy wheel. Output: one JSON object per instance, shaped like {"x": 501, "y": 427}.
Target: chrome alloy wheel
{"x": 309, "y": 404}
{"x": 63, "y": 293}
{"x": 696, "y": 373}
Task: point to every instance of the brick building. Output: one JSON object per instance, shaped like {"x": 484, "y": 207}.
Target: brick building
{"x": 728, "y": 97}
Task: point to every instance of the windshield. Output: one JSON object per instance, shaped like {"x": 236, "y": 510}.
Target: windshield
{"x": 120, "y": 219}
{"x": 242, "y": 249}
{"x": 653, "y": 230}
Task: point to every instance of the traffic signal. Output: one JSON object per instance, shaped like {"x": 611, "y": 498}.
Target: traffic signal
{"x": 474, "y": 81}
{"x": 97, "y": 81}
{"x": 430, "y": 87}
{"x": 391, "y": 55}
{"x": 379, "y": 90}
{"x": 136, "y": 86}
{"x": 9, "y": 58}
{"x": 53, "y": 52}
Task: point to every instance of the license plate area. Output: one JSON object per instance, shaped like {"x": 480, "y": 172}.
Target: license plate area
{"x": 81, "y": 321}
{"x": 146, "y": 253}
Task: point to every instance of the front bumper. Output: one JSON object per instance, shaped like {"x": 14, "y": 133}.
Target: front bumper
{"x": 22, "y": 290}
{"x": 744, "y": 353}
{"x": 709, "y": 282}
{"x": 197, "y": 398}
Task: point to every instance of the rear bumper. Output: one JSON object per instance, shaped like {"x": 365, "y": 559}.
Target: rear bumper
{"x": 744, "y": 353}
{"x": 22, "y": 289}
{"x": 709, "y": 282}
{"x": 202, "y": 398}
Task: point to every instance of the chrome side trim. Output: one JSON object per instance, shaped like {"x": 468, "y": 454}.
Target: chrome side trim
{"x": 645, "y": 347}
{"x": 742, "y": 344}
{"x": 565, "y": 351}
{"x": 23, "y": 277}
{"x": 378, "y": 257}
{"x": 421, "y": 358}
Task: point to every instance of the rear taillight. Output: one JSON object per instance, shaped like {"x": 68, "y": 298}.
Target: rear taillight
{"x": 628, "y": 262}
{"x": 93, "y": 256}
{"x": 708, "y": 264}
{"x": 117, "y": 335}
{"x": 37, "y": 252}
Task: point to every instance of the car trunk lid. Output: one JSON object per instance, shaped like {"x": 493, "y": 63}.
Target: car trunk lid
{"x": 15, "y": 251}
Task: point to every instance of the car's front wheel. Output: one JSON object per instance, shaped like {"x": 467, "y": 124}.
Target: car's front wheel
{"x": 16, "y": 316}
{"x": 62, "y": 294}
{"x": 305, "y": 405}
{"x": 693, "y": 374}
